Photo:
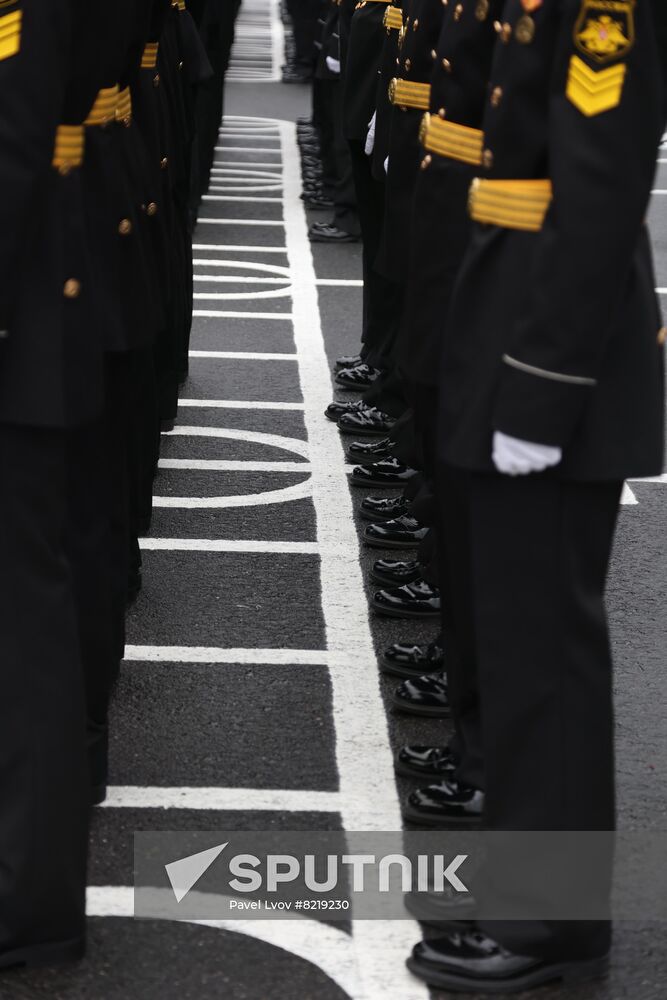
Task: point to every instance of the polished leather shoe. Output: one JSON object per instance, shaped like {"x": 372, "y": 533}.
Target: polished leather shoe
{"x": 444, "y": 803}
{"x": 290, "y": 75}
{"x": 367, "y": 422}
{"x": 348, "y": 361}
{"x": 318, "y": 203}
{"x": 386, "y": 472}
{"x": 426, "y": 762}
{"x": 402, "y": 533}
{"x": 360, "y": 378}
{"x": 326, "y": 232}
{"x": 383, "y": 508}
{"x": 468, "y": 961}
{"x": 335, "y": 410}
{"x": 394, "y": 572}
{"x": 424, "y": 695}
{"x": 413, "y": 600}
{"x": 412, "y": 661}
{"x": 370, "y": 452}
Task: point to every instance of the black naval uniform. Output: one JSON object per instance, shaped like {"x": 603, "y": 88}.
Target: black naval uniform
{"x": 50, "y": 384}
{"x": 553, "y": 338}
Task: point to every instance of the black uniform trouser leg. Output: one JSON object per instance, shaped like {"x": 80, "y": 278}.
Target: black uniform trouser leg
{"x": 43, "y": 771}
{"x": 383, "y": 298}
{"x": 538, "y": 553}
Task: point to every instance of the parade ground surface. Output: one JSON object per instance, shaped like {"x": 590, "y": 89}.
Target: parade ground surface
{"x": 250, "y": 698}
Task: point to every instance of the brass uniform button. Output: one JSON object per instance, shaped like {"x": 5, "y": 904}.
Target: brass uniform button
{"x": 433, "y": 54}
{"x": 487, "y": 159}
{"x": 124, "y": 227}
{"x": 415, "y": 24}
{"x": 72, "y": 289}
{"x": 426, "y": 161}
{"x": 424, "y": 127}
{"x": 151, "y": 209}
{"x": 458, "y": 10}
{"x": 408, "y": 64}
{"x": 441, "y": 112}
{"x": 164, "y": 163}
{"x": 662, "y": 336}
{"x": 505, "y": 32}
{"x": 446, "y": 65}
{"x": 525, "y": 30}
{"x": 156, "y": 80}
{"x": 445, "y": 3}
{"x": 496, "y": 96}
{"x": 482, "y": 10}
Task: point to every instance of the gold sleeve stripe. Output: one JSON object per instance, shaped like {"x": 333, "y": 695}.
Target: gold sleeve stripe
{"x": 124, "y": 106}
{"x": 457, "y": 142}
{"x": 407, "y": 94}
{"x": 393, "y": 18}
{"x": 520, "y": 204}
{"x": 103, "y": 110}
{"x": 591, "y": 91}
{"x": 10, "y": 34}
{"x": 69, "y": 147}
{"x": 149, "y": 57}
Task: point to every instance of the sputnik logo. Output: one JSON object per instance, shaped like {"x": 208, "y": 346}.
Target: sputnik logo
{"x": 185, "y": 873}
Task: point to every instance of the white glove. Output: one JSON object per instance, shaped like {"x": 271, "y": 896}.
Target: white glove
{"x": 333, "y": 65}
{"x": 386, "y": 166}
{"x": 517, "y": 458}
{"x": 370, "y": 138}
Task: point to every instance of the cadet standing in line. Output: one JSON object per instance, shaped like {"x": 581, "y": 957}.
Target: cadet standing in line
{"x": 551, "y": 395}
{"x": 50, "y": 385}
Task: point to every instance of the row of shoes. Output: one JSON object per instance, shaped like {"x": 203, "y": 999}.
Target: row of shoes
{"x": 313, "y": 194}
{"x": 404, "y": 594}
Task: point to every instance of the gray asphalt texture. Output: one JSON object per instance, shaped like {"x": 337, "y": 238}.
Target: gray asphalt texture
{"x": 271, "y": 727}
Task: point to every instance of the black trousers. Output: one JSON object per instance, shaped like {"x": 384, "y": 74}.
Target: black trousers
{"x": 43, "y": 772}
{"x": 383, "y": 298}
{"x": 337, "y": 176}
{"x": 524, "y": 564}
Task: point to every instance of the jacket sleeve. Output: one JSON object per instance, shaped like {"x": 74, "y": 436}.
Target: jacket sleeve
{"x": 34, "y": 44}
{"x": 605, "y": 122}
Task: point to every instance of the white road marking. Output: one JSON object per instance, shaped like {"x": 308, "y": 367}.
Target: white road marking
{"x": 253, "y": 199}
{"x": 229, "y": 248}
{"x": 238, "y": 279}
{"x": 221, "y": 799}
{"x": 238, "y": 314}
{"x": 368, "y": 796}
{"x": 226, "y": 545}
{"x": 239, "y": 222}
{"x": 340, "y": 282}
{"x": 243, "y": 355}
{"x": 272, "y": 293}
{"x": 239, "y": 404}
{"x": 216, "y": 465}
{"x": 323, "y": 945}
{"x": 286, "y": 495}
{"x": 295, "y": 445}
{"x": 216, "y": 654}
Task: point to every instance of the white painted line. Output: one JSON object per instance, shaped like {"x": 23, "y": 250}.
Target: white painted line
{"x": 229, "y": 248}
{"x": 229, "y": 197}
{"x": 252, "y": 265}
{"x": 217, "y": 654}
{"x": 270, "y": 293}
{"x": 659, "y": 191}
{"x": 239, "y": 222}
{"x": 238, "y": 404}
{"x": 340, "y": 282}
{"x": 217, "y": 314}
{"x": 250, "y": 149}
{"x": 368, "y": 796}
{"x": 651, "y": 479}
{"x": 250, "y": 169}
{"x": 221, "y": 799}
{"x": 628, "y": 498}
{"x": 326, "y": 946}
{"x": 215, "y": 465}
{"x": 292, "y": 444}
{"x": 243, "y": 356}
{"x": 300, "y": 491}
{"x": 226, "y": 545}
{"x": 237, "y": 279}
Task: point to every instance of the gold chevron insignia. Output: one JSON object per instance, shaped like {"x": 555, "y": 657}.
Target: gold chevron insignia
{"x": 10, "y": 34}
{"x": 605, "y": 29}
{"x": 591, "y": 91}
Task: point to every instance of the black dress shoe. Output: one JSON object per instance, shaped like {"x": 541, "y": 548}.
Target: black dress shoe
{"x": 383, "y": 509}
{"x": 412, "y": 661}
{"x": 387, "y": 472}
{"x": 402, "y": 533}
{"x": 444, "y": 803}
{"x": 326, "y": 232}
{"x": 424, "y": 695}
{"x": 467, "y": 961}
{"x": 335, "y": 410}
{"x": 367, "y": 422}
{"x": 318, "y": 203}
{"x": 370, "y": 452}
{"x": 348, "y": 361}
{"x": 448, "y": 910}
{"x": 426, "y": 762}
{"x": 394, "y": 572}
{"x": 413, "y": 600}
{"x": 290, "y": 75}
{"x": 360, "y": 378}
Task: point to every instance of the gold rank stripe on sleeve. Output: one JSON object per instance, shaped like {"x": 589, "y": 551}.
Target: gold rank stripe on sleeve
{"x": 10, "y": 34}
{"x": 512, "y": 204}
{"x": 103, "y": 110}
{"x": 149, "y": 57}
{"x": 458, "y": 142}
{"x": 69, "y": 146}
{"x": 124, "y": 106}
{"x": 407, "y": 94}
{"x": 179, "y": 3}
{"x": 393, "y": 18}
{"x": 594, "y": 91}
